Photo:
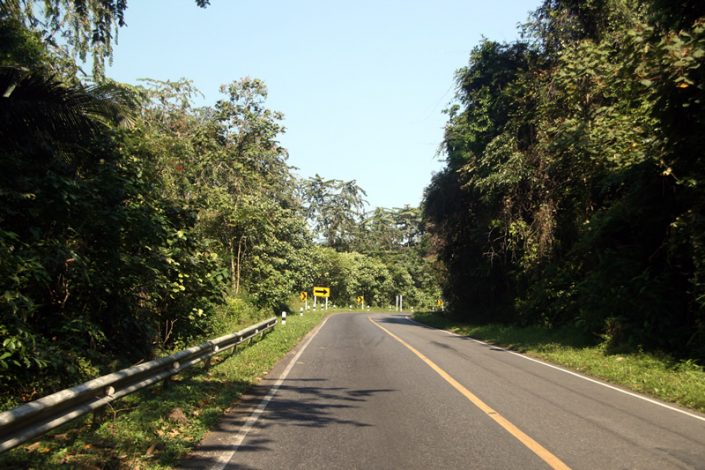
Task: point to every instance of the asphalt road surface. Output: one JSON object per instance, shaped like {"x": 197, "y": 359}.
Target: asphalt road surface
{"x": 381, "y": 391}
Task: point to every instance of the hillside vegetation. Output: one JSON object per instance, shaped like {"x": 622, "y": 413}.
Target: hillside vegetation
{"x": 574, "y": 187}
{"x": 134, "y": 221}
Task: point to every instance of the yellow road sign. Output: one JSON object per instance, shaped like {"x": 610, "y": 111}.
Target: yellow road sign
{"x": 303, "y": 295}
{"x": 321, "y": 292}
{"x": 439, "y": 302}
{"x": 360, "y": 299}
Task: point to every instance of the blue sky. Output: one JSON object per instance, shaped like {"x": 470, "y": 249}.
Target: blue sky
{"x": 362, "y": 84}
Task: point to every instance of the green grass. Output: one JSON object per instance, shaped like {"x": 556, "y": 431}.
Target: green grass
{"x": 658, "y": 375}
{"x": 143, "y": 430}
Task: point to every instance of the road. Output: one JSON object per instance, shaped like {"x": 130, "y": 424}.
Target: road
{"x": 381, "y": 391}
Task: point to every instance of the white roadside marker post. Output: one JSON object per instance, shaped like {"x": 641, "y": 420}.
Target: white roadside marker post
{"x": 283, "y": 318}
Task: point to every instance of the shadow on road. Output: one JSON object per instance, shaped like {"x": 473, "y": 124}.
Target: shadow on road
{"x": 307, "y": 406}
{"x": 401, "y": 320}
{"x": 297, "y": 404}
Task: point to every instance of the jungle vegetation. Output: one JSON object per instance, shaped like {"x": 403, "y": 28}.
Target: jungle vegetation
{"x": 134, "y": 222}
{"x": 573, "y": 192}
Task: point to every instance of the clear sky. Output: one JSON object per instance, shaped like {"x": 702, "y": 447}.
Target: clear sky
{"x": 362, "y": 83}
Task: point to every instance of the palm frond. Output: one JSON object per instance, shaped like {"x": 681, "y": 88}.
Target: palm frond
{"x": 38, "y": 107}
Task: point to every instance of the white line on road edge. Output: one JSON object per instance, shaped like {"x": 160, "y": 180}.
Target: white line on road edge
{"x": 224, "y": 458}
{"x": 575, "y": 374}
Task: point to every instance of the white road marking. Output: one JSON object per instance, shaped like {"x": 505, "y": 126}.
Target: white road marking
{"x": 575, "y": 374}
{"x": 223, "y": 458}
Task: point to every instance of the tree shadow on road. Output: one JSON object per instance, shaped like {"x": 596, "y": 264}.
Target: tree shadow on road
{"x": 299, "y": 403}
{"x": 516, "y": 338}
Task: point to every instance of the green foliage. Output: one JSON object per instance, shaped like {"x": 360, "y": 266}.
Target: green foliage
{"x": 133, "y": 223}
{"x": 334, "y": 208}
{"x": 235, "y": 314}
{"x": 139, "y": 433}
{"x": 573, "y": 191}
{"x": 378, "y": 279}
{"x": 121, "y": 210}
{"x": 19, "y": 46}
{"x": 226, "y": 163}
{"x": 97, "y": 262}
{"x": 658, "y": 375}
{"x": 73, "y": 28}
{"x": 385, "y": 231}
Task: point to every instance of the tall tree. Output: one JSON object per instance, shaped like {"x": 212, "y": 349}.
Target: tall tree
{"x": 226, "y": 162}
{"x": 335, "y": 209}
{"x": 570, "y": 184}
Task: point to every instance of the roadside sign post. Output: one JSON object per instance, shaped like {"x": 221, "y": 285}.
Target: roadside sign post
{"x": 399, "y": 303}
{"x": 360, "y": 301}
{"x": 323, "y": 292}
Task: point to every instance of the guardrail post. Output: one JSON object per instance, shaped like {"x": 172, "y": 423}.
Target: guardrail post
{"x": 167, "y": 382}
{"x": 98, "y": 415}
{"x": 209, "y": 360}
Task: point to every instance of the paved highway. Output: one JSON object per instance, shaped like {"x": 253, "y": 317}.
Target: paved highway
{"x": 381, "y": 391}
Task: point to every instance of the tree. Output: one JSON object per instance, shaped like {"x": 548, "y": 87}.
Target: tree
{"x": 569, "y": 189}
{"x": 226, "y": 162}
{"x": 91, "y": 250}
{"x": 379, "y": 232}
{"x": 74, "y": 27}
{"x": 334, "y": 209}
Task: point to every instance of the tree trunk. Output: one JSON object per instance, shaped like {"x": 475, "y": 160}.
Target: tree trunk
{"x": 233, "y": 284}
{"x": 240, "y": 252}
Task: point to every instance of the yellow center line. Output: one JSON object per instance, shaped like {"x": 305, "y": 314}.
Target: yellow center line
{"x": 535, "y": 447}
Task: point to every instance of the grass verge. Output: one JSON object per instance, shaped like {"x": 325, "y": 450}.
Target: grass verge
{"x": 658, "y": 375}
{"x": 156, "y": 427}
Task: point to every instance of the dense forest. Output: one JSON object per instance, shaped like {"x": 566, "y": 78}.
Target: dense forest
{"x": 573, "y": 188}
{"x": 133, "y": 221}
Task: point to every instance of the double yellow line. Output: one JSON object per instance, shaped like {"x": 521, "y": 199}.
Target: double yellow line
{"x": 553, "y": 461}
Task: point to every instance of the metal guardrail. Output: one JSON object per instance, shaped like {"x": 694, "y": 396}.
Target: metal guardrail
{"x": 40, "y": 416}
